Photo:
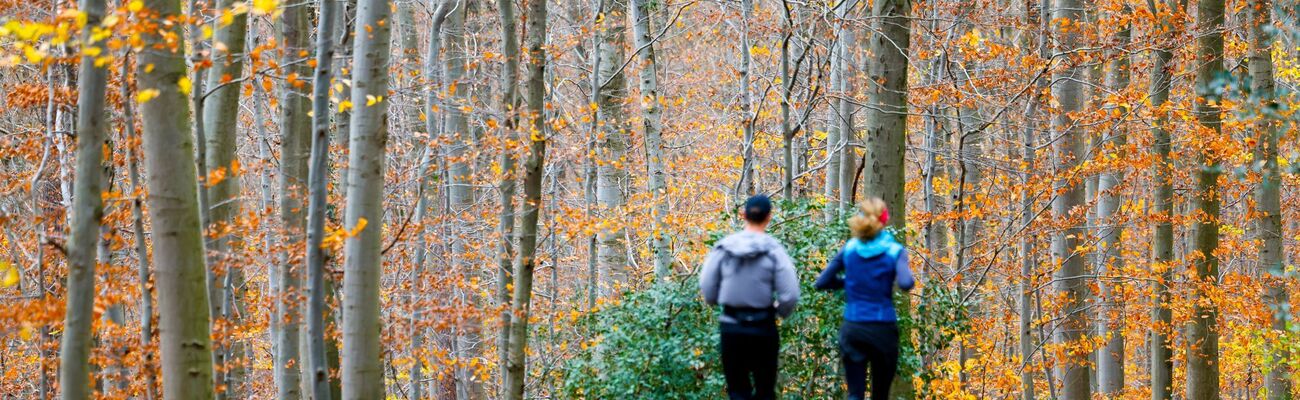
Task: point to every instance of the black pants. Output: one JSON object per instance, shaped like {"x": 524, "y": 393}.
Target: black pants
{"x": 750, "y": 349}
{"x": 871, "y": 345}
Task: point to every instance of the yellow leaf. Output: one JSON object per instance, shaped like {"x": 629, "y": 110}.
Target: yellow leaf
{"x": 265, "y": 7}
{"x": 361, "y": 225}
{"x": 146, "y": 95}
{"x": 135, "y": 6}
{"x": 345, "y": 105}
{"x": 111, "y": 20}
{"x": 372, "y": 100}
{"x": 11, "y": 275}
{"x": 91, "y": 51}
{"x": 185, "y": 85}
{"x": 227, "y": 18}
{"x": 148, "y": 68}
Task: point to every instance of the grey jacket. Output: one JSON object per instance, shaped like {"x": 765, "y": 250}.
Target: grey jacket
{"x": 749, "y": 269}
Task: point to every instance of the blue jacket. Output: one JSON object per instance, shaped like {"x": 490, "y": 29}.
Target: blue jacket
{"x": 870, "y": 271}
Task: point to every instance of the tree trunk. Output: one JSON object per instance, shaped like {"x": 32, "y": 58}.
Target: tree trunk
{"x": 362, "y": 351}
{"x": 506, "y": 223}
{"x": 1110, "y": 261}
{"x": 611, "y": 167}
{"x": 746, "y": 118}
{"x": 887, "y": 124}
{"x": 1268, "y": 224}
{"x": 1035, "y": 16}
{"x": 534, "y": 169}
{"x": 141, "y": 245}
{"x": 848, "y": 130}
{"x": 1067, "y": 89}
{"x": 652, "y": 129}
{"x": 1162, "y": 366}
{"x": 174, "y": 210}
{"x": 221, "y": 118}
{"x": 317, "y": 188}
{"x": 295, "y": 147}
{"x": 1202, "y": 332}
{"x": 87, "y": 211}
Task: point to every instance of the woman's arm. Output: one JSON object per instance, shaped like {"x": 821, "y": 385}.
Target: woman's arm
{"x": 903, "y": 273}
{"x": 830, "y": 277}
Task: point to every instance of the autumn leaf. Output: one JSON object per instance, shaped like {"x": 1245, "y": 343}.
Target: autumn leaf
{"x": 135, "y": 6}
{"x": 266, "y": 7}
{"x": 145, "y": 95}
{"x": 344, "y": 106}
{"x": 372, "y": 100}
{"x": 10, "y": 274}
{"x": 184, "y": 85}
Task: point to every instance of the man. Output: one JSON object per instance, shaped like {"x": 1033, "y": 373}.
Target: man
{"x": 750, "y": 274}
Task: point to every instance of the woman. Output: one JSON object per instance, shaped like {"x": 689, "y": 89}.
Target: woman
{"x": 871, "y": 264}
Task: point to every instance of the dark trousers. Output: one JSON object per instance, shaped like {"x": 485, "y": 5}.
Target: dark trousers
{"x": 750, "y": 350}
{"x": 869, "y": 345}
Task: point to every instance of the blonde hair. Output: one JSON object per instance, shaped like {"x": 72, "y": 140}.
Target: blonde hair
{"x": 866, "y": 223}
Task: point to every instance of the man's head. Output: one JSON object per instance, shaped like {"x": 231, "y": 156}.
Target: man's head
{"x": 757, "y": 211}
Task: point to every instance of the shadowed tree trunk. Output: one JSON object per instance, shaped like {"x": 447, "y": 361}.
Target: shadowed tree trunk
{"x": 316, "y": 363}
{"x": 1202, "y": 330}
{"x": 534, "y": 168}
{"x": 178, "y": 251}
{"x": 506, "y": 223}
{"x": 1162, "y": 247}
{"x": 87, "y": 211}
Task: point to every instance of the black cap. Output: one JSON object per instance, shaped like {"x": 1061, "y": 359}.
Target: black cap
{"x": 757, "y": 209}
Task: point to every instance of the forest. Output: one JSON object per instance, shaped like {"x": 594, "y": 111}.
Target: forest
{"x": 510, "y": 199}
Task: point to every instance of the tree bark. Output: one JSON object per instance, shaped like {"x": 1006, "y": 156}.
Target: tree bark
{"x": 141, "y": 245}
{"x": 87, "y": 211}
{"x": 1162, "y": 367}
{"x": 746, "y": 186}
{"x": 887, "y": 124}
{"x": 1110, "y": 260}
{"x": 1202, "y": 332}
{"x": 506, "y": 223}
{"x": 848, "y": 136}
{"x": 1268, "y": 223}
{"x": 652, "y": 131}
{"x": 612, "y": 144}
{"x": 362, "y": 367}
{"x": 534, "y": 169}
{"x": 221, "y": 118}
{"x": 295, "y": 142}
{"x": 1067, "y": 89}
{"x": 178, "y": 247}
{"x": 317, "y": 188}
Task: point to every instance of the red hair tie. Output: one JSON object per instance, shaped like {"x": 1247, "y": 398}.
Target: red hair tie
{"x": 884, "y": 216}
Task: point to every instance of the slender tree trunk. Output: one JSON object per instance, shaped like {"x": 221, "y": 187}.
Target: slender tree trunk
{"x": 362, "y": 351}
{"x": 1067, "y": 90}
{"x": 174, "y": 210}
{"x": 295, "y": 142}
{"x": 1203, "y": 333}
{"x": 141, "y": 245}
{"x": 534, "y": 169}
{"x": 1162, "y": 366}
{"x": 746, "y": 186}
{"x": 221, "y": 117}
{"x": 1035, "y": 16}
{"x": 317, "y": 188}
{"x": 506, "y": 224}
{"x": 87, "y": 211}
{"x": 652, "y": 129}
{"x": 1268, "y": 224}
{"x": 887, "y": 124}
{"x": 1110, "y": 262}
{"x": 612, "y": 145}
{"x": 848, "y": 130}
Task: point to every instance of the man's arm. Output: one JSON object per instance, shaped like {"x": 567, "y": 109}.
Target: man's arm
{"x": 830, "y": 277}
{"x": 711, "y": 277}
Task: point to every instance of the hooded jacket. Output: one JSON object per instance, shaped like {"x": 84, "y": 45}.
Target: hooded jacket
{"x": 871, "y": 269}
{"x": 750, "y": 269}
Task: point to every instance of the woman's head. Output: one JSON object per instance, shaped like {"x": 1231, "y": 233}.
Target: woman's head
{"x": 870, "y": 219}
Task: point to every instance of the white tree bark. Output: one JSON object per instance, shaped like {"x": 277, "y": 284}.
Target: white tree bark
{"x": 362, "y": 366}
{"x": 295, "y": 134}
{"x": 316, "y": 362}
{"x": 612, "y": 145}
{"x": 1110, "y": 262}
{"x": 652, "y": 131}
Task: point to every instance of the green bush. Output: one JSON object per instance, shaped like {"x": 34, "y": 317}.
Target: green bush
{"x": 661, "y": 343}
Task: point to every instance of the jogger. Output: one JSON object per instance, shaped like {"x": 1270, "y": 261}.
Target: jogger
{"x": 872, "y": 263}
{"x": 750, "y": 274}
